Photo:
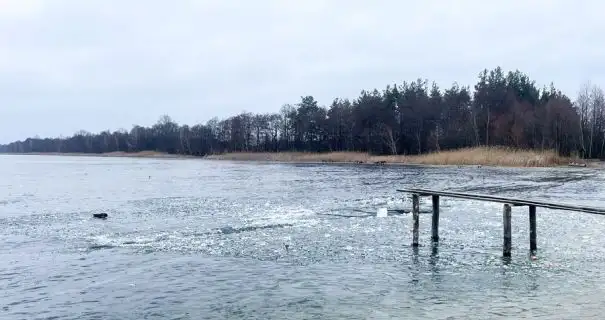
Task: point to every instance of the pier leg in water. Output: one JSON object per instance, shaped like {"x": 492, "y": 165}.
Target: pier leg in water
{"x": 435, "y": 226}
{"x": 533, "y": 245}
{"x": 506, "y": 219}
{"x": 416, "y": 218}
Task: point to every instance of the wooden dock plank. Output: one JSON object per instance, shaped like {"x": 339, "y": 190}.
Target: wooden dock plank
{"x": 506, "y": 200}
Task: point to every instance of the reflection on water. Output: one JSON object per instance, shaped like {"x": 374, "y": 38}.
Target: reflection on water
{"x": 194, "y": 239}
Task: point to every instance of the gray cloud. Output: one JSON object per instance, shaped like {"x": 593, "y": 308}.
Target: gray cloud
{"x": 104, "y": 64}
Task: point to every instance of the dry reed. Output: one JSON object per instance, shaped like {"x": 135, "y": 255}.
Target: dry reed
{"x": 488, "y": 156}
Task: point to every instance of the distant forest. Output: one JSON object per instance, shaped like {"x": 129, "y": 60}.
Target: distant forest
{"x": 503, "y": 109}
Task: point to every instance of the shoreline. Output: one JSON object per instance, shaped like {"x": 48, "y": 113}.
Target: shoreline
{"x": 469, "y": 157}
{"x": 477, "y": 157}
{"x": 119, "y": 154}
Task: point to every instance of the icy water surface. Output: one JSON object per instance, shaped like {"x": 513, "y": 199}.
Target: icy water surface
{"x": 195, "y": 239}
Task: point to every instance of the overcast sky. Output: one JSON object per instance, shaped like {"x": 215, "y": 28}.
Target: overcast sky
{"x": 67, "y": 65}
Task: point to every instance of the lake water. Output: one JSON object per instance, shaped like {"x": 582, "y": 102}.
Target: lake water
{"x": 196, "y": 239}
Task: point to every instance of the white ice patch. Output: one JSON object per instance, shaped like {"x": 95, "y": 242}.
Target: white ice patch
{"x": 275, "y": 215}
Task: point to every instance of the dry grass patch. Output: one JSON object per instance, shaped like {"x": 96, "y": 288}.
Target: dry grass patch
{"x": 293, "y": 156}
{"x": 489, "y": 156}
{"x": 492, "y": 156}
{"x": 140, "y": 154}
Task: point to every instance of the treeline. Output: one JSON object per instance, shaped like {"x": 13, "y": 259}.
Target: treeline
{"x": 504, "y": 109}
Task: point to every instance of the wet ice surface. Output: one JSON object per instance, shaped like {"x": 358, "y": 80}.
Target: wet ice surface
{"x": 193, "y": 239}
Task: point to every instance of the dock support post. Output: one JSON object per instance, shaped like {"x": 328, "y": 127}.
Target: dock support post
{"x": 435, "y": 226}
{"x": 416, "y": 219}
{"x": 533, "y": 245}
{"x": 507, "y": 244}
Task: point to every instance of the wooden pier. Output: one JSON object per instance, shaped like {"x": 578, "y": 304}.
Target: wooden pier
{"x": 506, "y": 214}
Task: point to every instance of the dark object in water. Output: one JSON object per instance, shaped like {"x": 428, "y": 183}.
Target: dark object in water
{"x": 102, "y": 215}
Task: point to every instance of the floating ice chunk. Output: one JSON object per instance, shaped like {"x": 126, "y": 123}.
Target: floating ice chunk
{"x": 382, "y": 212}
